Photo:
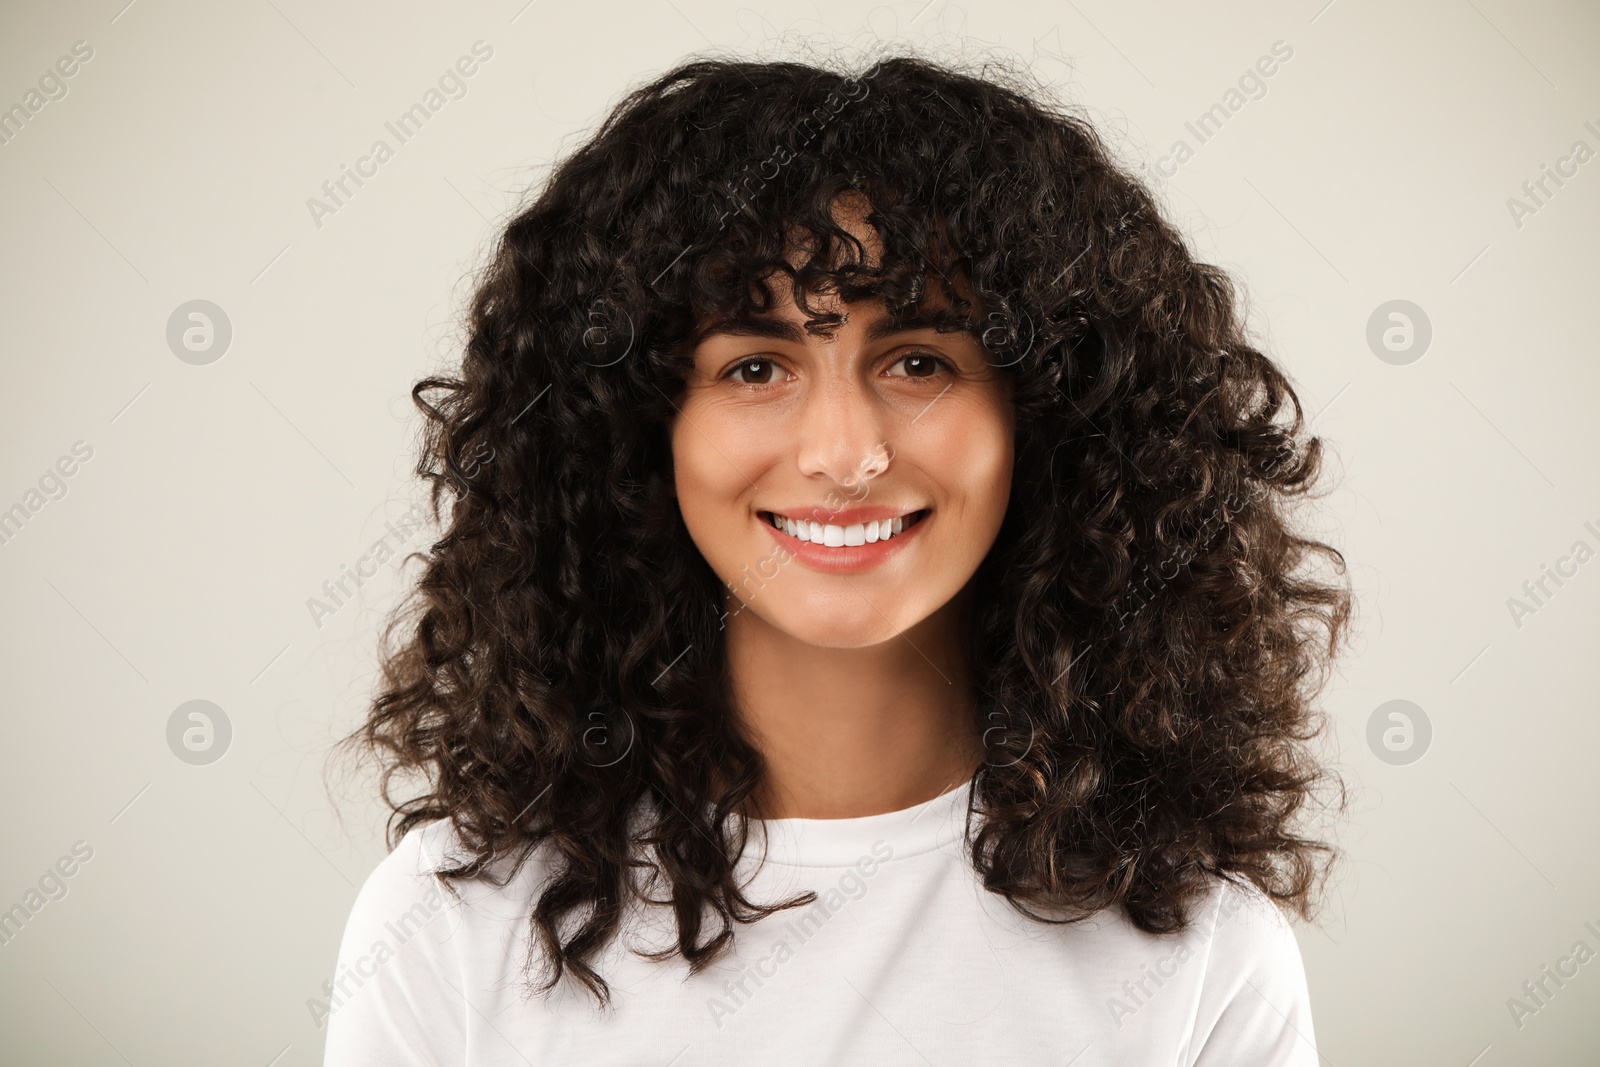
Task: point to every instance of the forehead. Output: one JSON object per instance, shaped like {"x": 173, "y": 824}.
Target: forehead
{"x": 788, "y": 323}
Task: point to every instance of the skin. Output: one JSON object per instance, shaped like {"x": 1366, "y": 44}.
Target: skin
{"x": 856, "y": 688}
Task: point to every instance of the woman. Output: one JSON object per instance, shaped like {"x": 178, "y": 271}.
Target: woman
{"x": 866, "y": 626}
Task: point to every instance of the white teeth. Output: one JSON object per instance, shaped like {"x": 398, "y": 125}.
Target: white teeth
{"x": 857, "y": 533}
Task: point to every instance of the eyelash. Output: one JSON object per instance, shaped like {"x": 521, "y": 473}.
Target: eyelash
{"x": 942, "y": 363}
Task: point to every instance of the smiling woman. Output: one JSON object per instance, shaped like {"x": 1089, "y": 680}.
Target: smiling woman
{"x": 772, "y": 415}
{"x": 800, "y": 538}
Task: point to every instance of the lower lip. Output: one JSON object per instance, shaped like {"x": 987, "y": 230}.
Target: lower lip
{"x": 846, "y": 559}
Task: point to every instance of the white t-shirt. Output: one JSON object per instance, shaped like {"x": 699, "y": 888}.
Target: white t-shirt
{"x": 904, "y": 959}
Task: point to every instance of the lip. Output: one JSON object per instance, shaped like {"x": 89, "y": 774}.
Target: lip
{"x": 847, "y": 559}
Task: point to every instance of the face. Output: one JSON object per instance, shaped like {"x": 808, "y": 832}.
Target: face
{"x": 844, "y": 486}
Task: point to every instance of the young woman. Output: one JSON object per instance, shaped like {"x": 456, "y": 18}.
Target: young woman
{"x": 866, "y": 626}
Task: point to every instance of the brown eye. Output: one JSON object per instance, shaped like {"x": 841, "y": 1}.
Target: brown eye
{"x": 760, "y": 372}
{"x": 918, "y": 365}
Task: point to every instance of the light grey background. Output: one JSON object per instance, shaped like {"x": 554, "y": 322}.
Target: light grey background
{"x": 220, "y": 496}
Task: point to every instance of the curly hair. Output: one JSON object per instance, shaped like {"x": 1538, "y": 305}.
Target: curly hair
{"x": 1147, "y": 636}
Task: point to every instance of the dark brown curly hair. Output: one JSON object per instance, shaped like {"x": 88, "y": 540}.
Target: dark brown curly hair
{"x": 1147, "y": 636}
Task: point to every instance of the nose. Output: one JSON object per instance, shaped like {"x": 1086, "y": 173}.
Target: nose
{"x": 842, "y": 432}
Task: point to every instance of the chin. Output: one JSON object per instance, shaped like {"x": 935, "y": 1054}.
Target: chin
{"x": 838, "y": 621}
{"x": 854, "y": 633}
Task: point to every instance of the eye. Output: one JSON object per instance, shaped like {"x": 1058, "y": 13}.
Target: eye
{"x": 919, "y": 365}
{"x": 760, "y": 371}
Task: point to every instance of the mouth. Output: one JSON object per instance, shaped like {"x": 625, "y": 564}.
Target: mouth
{"x": 845, "y": 535}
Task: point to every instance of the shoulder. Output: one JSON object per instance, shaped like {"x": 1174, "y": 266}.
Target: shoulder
{"x": 410, "y": 865}
{"x": 395, "y": 996}
{"x": 1254, "y": 1005}
{"x": 1245, "y": 918}
{"x": 409, "y": 876}
{"x": 403, "y": 881}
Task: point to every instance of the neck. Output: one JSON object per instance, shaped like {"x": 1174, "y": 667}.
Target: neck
{"x": 850, "y": 732}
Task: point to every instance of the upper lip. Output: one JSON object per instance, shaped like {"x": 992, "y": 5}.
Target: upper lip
{"x": 842, "y": 517}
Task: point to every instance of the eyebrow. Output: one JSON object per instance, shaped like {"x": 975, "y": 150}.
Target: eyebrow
{"x": 787, "y": 330}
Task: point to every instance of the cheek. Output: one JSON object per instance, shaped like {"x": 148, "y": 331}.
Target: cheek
{"x": 713, "y": 466}
{"x": 974, "y": 450}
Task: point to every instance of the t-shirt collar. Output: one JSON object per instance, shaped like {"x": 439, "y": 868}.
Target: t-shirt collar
{"x": 844, "y": 842}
